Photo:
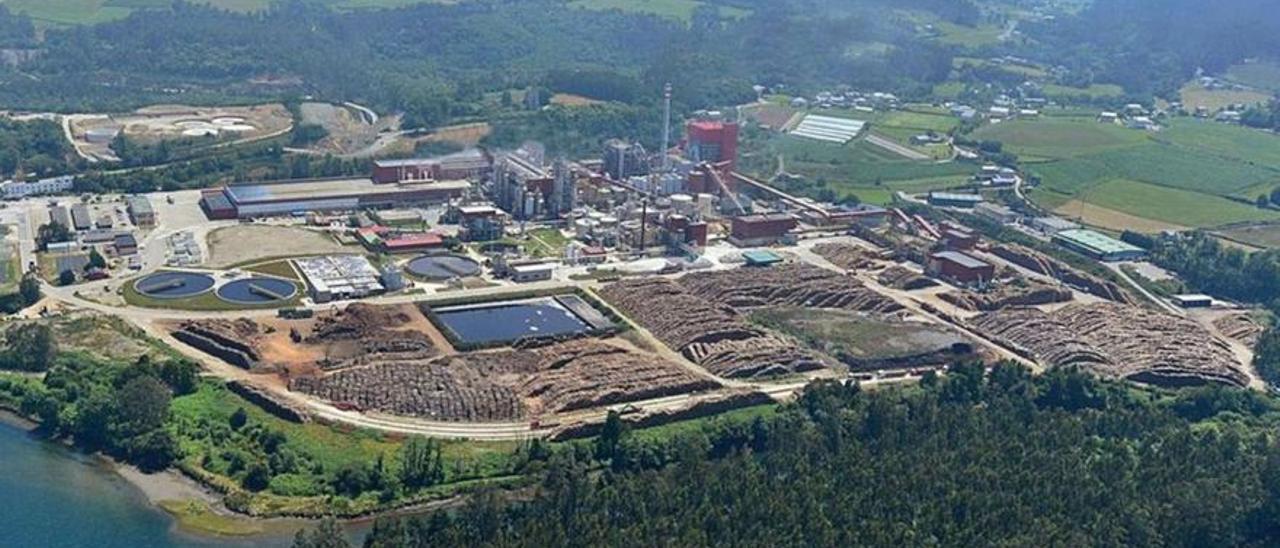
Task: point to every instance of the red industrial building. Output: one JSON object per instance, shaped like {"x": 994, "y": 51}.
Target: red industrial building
{"x": 960, "y": 240}
{"x": 762, "y": 229}
{"x": 712, "y": 141}
{"x": 960, "y": 268}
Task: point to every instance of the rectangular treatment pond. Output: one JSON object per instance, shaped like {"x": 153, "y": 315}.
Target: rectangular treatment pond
{"x": 508, "y": 321}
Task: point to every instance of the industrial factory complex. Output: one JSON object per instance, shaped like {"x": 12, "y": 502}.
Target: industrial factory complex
{"x": 490, "y": 286}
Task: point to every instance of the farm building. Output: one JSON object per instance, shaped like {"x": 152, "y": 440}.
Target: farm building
{"x": 996, "y": 212}
{"x": 1052, "y": 225}
{"x": 1193, "y": 301}
{"x": 318, "y": 195}
{"x": 960, "y": 268}
{"x": 951, "y": 199}
{"x": 1098, "y": 245}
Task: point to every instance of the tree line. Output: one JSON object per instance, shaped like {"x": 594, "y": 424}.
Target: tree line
{"x": 969, "y": 459}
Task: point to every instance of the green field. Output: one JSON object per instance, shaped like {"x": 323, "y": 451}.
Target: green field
{"x": 867, "y": 171}
{"x": 1094, "y": 91}
{"x": 680, "y": 10}
{"x": 1059, "y": 137}
{"x": 941, "y": 123}
{"x": 1183, "y": 175}
{"x": 80, "y": 12}
{"x": 1262, "y": 75}
{"x": 1171, "y": 205}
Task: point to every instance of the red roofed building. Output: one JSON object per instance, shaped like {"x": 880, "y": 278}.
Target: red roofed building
{"x": 411, "y": 242}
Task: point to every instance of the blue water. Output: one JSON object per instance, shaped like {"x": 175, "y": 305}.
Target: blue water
{"x": 508, "y": 322}
{"x": 51, "y": 496}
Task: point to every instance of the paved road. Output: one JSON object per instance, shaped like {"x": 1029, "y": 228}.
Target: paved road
{"x": 1163, "y": 304}
{"x": 896, "y": 148}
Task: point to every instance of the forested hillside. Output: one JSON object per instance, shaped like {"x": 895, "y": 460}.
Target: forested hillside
{"x": 1011, "y": 460}
{"x": 433, "y": 60}
{"x": 1153, "y": 46}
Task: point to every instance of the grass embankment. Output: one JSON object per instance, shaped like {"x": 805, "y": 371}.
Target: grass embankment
{"x": 198, "y": 517}
{"x": 204, "y": 302}
{"x": 308, "y": 460}
{"x": 281, "y": 269}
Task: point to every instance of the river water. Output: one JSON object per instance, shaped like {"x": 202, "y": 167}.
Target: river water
{"x": 51, "y": 496}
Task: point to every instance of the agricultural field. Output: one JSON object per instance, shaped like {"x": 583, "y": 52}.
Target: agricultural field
{"x": 1194, "y": 96}
{"x": 865, "y": 170}
{"x": 1261, "y": 235}
{"x": 1171, "y": 205}
{"x": 87, "y": 12}
{"x": 1094, "y": 91}
{"x": 1055, "y": 138}
{"x": 1258, "y": 74}
{"x": 680, "y": 10}
{"x": 1192, "y": 173}
{"x": 1030, "y": 71}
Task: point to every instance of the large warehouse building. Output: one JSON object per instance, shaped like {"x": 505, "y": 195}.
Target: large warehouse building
{"x": 1098, "y": 245}
{"x": 322, "y": 195}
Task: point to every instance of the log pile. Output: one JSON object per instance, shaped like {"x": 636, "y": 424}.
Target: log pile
{"x": 1240, "y": 327}
{"x": 437, "y": 390}
{"x": 711, "y": 335}
{"x": 795, "y": 284}
{"x": 901, "y": 277}
{"x": 508, "y": 384}
{"x": 231, "y": 341}
{"x": 846, "y": 256}
{"x": 1023, "y": 292}
{"x": 1040, "y": 263}
{"x": 586, "y": 373}
{"x": 1118, "y": 341}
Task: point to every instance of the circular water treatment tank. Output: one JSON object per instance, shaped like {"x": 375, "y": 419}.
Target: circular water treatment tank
{"x": 443, "y": 267}
{"x": 228, "y": 120}
{"x": 257, "y": 290}
{"x": 173, "y": 285}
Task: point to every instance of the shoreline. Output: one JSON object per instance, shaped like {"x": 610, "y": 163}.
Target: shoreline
{"x": 199, "y": 511}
